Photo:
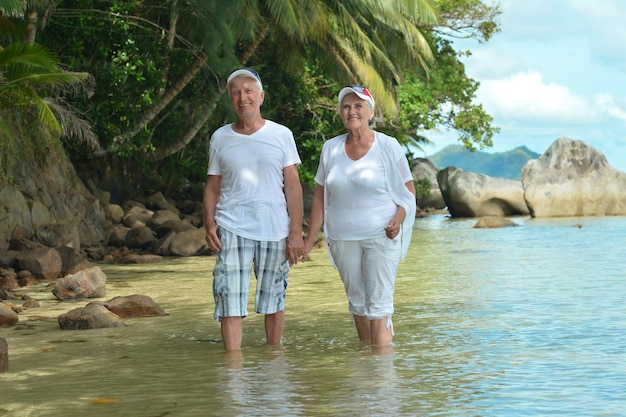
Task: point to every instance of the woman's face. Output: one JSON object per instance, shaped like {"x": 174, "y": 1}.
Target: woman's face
{"x": 355, "y": 112}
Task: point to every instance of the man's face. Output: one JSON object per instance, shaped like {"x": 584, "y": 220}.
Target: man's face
{"x": 246, "y": 96}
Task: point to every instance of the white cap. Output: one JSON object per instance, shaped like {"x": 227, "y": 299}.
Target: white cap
{"x": 361, "y": 92}
{"x": 246, "y": 72}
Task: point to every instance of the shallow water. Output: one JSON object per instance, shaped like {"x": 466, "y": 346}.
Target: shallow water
{"x": 524, "y": 321}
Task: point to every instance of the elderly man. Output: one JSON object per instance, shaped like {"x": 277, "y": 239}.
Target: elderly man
{"x": 252, "y": 212}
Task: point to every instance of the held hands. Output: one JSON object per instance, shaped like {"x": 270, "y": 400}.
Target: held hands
{"x": 308, "y": 245}
{"x": 295, "y": 247}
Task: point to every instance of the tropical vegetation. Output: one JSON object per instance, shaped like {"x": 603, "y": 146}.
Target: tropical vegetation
{"x": 148, "y": 76}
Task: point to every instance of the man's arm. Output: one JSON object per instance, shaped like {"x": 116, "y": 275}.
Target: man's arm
{"x": 212, "y": 191}
{"x": 293, "y": 195}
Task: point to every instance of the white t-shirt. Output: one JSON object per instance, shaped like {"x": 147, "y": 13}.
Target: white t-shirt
{"x": 252, "y": 203}
{"x": 358, "y": 204}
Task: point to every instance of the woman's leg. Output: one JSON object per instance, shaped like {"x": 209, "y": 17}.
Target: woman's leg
{"x": 362, "y": 324}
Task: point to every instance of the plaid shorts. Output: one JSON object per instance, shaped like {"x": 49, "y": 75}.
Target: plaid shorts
{"x": 232, "y": 274}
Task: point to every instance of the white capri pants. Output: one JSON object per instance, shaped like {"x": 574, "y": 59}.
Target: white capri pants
{"x": 368, "y": 270}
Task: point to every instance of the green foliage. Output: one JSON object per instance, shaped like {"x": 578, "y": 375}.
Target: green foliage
{"x": 422, "y": 188}
{"x": 125, "y": 60}
{"x": 444, "y": 100}
{"x": 469, "y": 18}
{"x": 124, "y": 44}
{"x": 33, "y": 85}
{"x": 507, "y": 164}
{"x": 139, "y": 50}
{"x": 178, "y": 177}
{"x": 305, "y": 102}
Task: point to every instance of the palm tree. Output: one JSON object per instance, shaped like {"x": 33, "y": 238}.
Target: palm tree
{"x": 32, "y": 80}
{"x": 365, "y": 40}
{"x": 373, "y": 42}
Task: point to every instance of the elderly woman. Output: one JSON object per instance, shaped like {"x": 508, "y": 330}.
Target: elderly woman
{"x": 365, "y": 198}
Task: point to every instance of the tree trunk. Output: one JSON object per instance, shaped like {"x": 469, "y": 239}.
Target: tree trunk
{"x": 169, "y": 95}
{"x": 190, "y": 134}
{"x": 171, "y": 38}
{"x": 31, "y": 27}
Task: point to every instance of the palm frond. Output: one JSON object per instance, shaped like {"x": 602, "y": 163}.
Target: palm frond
{"x": 72, "y": 126}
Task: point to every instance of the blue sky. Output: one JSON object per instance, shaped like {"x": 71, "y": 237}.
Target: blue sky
{"x": 557, "y": 68}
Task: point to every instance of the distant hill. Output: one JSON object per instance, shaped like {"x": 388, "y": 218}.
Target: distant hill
{"x": 501, "y": 165}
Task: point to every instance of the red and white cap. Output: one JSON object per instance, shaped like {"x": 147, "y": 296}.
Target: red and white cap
{"x": 361, "y": 92}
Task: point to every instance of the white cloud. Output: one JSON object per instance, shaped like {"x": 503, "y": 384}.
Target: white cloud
{"x": 606, "y": 103}
{"x": 556, "y": 69}
{"x": 524, "y": 96}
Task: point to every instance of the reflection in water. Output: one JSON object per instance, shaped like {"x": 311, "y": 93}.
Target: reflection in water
{"x": 517, "y": 321}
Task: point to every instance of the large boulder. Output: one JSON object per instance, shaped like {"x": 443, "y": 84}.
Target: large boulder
{"x": 42, "y": 195}
{"x": 72, "y": 262}
{"x": 189, "y": 243}
{"x": 423, "y": 169}
{"x": 114, "y": 213}
{"x": 8, "y": 279}
{"x": 8, "y": 317}
{"x": 132, "y": 306}
{"x": 136, "y": 216}
{"x": 14, "y": 212}
{"x": 158, "y": 202}
{"x": 88, "y": 283}
{"x": 139, "y": 237}
{"x": 56, "y": 235}
{"x": 92, "y": 316}
{"x": 468, "y": 194}
{"x": 573, "y": 179}
{"x": 43, "y": 262}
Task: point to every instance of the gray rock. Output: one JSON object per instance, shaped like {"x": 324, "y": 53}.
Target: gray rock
{"x": 131, "y": 306}
{"x": 494, "y": 222}
{"x": 468, "y": 194}
{"x": 573, "y": 179}
{"x": 424, "y": 169}
{"x": 159, "y": 202}
{"x": 8, "y": 317}
{"x": 140, "y": 237}
{"x": 189, "y": 242}
{"x": 88, "y": 283}
{"x": 137, "y": 216}
{"x": 114, "y": 212}
{"x": 43, "y": 262}
{"x": 92, "y": 316}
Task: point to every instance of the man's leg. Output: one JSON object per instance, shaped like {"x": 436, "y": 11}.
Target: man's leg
{"x": 274, "y": 326}
{"x": 271, "y": 270}
{"x": 231, "y": 283}
{"x": 232, "y": 333}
